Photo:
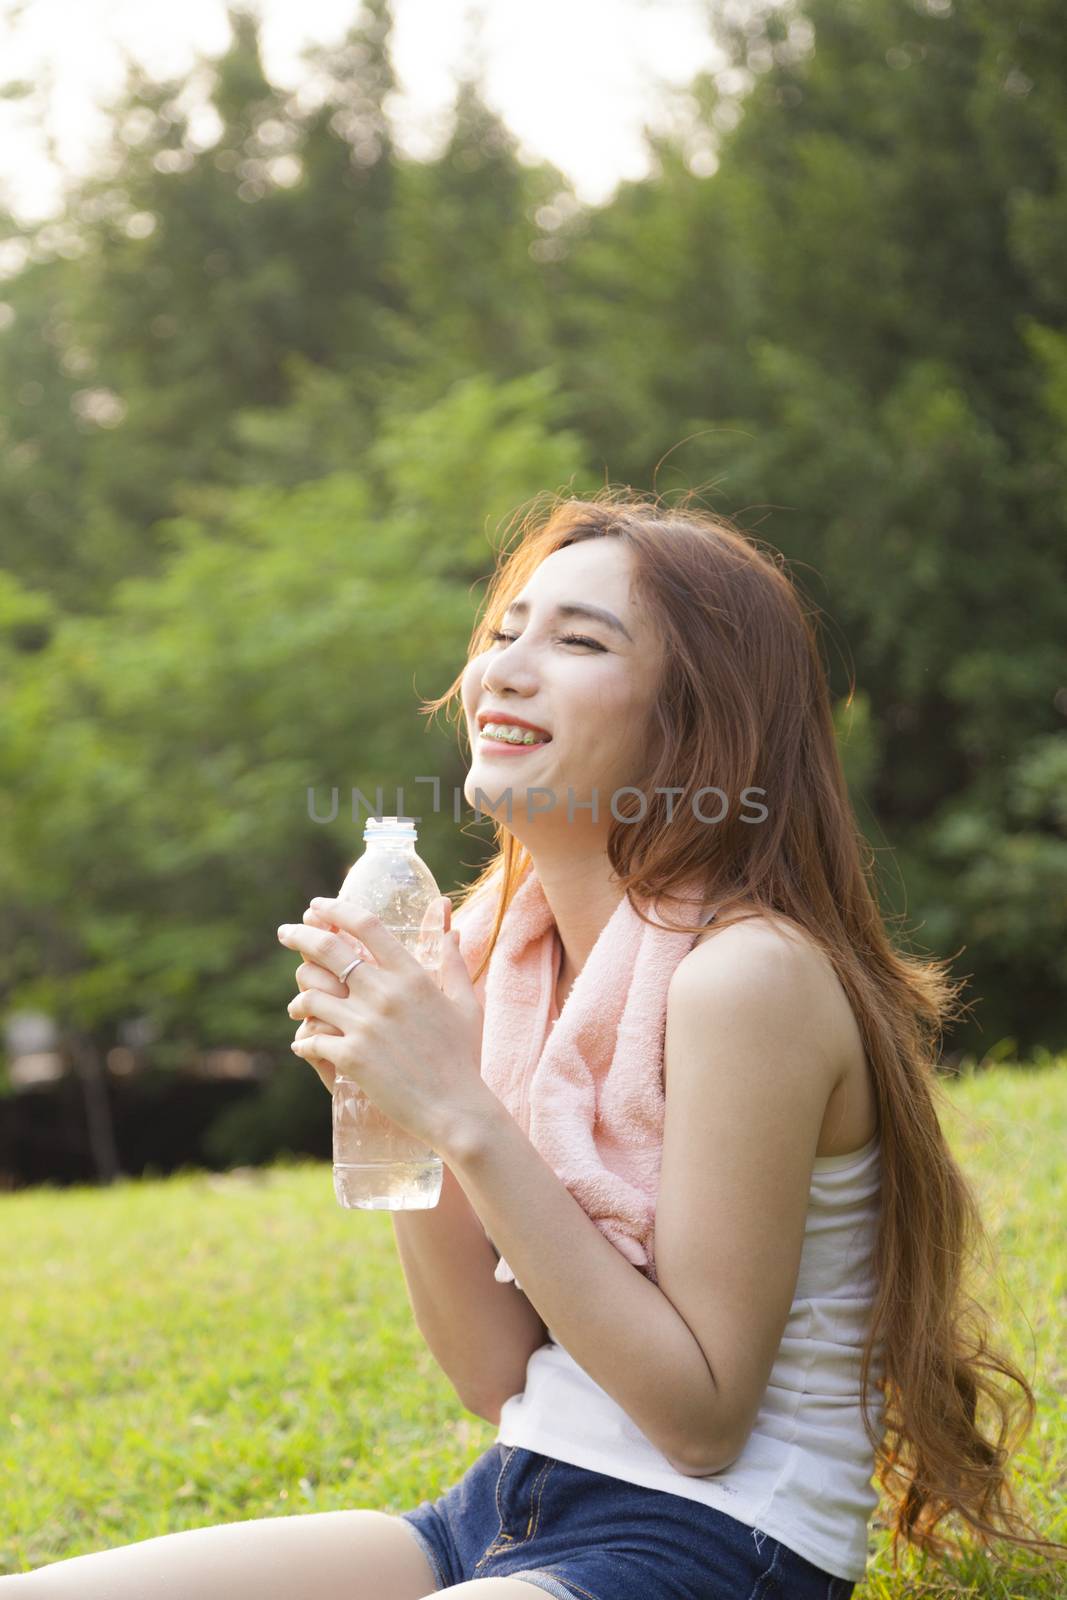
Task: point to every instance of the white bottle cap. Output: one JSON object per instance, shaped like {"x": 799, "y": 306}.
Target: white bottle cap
{"x": 389, "y": 828}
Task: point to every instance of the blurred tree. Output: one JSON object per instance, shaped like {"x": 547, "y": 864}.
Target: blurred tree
{"x": 201, "y": 264}
{"x": 244, "y": 250}
{"x": 857, "y": 322}
{"x": 469, "y": 259}
{"x": 166, "y": 767}
{"x": 992, "y": 872}
{"x": 265, "y": 376}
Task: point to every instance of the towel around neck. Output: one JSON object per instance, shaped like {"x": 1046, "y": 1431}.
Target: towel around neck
{"x": 588, "y": 1092}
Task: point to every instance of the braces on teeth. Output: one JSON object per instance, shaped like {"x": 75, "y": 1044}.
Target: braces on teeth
{"x": 500, "y": 730}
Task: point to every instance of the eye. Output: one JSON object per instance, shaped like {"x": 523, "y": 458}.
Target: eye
{"x": 497, "y": 635}
{"x": 577, "y": 638}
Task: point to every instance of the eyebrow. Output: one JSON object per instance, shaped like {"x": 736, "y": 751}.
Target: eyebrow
{"x": 574, "y": 608}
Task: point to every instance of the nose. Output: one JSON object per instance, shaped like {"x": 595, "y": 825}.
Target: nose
{"x": 505, "y": 670}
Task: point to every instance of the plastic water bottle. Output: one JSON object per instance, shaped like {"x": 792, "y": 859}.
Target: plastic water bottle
{"x": 376, "y": 1165}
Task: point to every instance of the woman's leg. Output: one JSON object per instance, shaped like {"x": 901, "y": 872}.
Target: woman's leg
{"x": 323, "y": 1555}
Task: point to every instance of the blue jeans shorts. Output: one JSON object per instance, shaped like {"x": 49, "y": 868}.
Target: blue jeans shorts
{"x": 582, "y": 1535}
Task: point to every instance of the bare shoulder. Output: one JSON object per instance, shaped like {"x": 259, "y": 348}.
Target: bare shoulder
{"x": 768, "y": 942}
{"x": 769, "y": 967}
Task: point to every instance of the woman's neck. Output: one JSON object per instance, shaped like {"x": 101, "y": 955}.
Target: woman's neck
{"x": 583, "y": 896}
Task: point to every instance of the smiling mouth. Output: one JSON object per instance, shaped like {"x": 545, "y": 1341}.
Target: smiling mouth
{"x": 529, "y": 741}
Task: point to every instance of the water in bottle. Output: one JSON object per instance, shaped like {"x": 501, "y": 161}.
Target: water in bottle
{"x": 376, "y": 1165}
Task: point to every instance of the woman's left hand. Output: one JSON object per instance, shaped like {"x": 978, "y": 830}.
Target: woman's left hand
{"x": 413, "y": 1048}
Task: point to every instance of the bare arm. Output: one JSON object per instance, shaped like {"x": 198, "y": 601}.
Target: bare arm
{"x": 613, "y": 1321}
{"x": 481, "y": 1333}
{"x": 687, "y": 1359}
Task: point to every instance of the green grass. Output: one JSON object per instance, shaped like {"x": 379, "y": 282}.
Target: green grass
{"x": 201, "y": 1348}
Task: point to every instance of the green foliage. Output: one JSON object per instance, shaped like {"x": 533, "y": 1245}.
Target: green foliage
{"x": 858, "y": 325}
{"x": 999, "y": 855}
{"x": 163, "y": 751}
{"x": 269, "y": 395}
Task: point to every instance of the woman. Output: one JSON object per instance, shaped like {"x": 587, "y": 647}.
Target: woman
{"x": 701, "y": 1427}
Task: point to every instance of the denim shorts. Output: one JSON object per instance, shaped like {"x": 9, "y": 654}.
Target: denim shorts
{"x": 582, "y": 1535}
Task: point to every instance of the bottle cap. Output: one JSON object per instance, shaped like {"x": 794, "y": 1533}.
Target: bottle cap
{"x": 389, "y": 828}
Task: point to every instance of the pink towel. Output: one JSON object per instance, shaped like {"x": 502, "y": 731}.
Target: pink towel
{"x": 590, "y": 1095}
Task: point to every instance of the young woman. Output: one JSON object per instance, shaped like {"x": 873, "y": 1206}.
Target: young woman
{"x": 684, "y": 1412}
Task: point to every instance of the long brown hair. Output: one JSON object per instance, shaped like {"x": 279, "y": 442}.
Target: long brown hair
{"x": 745, "y": 705}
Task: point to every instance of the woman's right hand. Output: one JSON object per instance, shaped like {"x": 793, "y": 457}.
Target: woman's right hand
{"x": 311, "y": 976}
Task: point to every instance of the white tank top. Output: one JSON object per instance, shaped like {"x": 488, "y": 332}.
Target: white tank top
{"x": 805, "y": 1474}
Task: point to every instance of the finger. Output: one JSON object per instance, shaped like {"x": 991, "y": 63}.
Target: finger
{"x": 320, "y": 1050}
{"x": 309, "y": 975}
{"x": 313, "y": 1025}
{"x": 437, "y": 917}
{"x": 320, "y": 947}
{"x": 433, "y": 930}
{"x": 325, "y": 1069}
{"x": 366, "y": 929}
{"x": 351, "y": 950}
{"x": 315, "y": 919}
{"x": 455, "y": 974}
{"x": 323, "y": 1007}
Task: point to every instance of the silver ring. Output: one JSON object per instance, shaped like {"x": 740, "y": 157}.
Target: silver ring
{"x": 352, "y": 965}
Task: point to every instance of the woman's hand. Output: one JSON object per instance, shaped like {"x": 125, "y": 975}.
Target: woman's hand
{"x": 310, "y": 976}
{"x": 414, "y": 1048}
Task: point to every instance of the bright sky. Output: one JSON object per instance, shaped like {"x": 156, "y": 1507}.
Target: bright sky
{"x": 574, "y": 79}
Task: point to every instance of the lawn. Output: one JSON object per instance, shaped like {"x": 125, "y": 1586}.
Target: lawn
{"x": 205, "y": 1348}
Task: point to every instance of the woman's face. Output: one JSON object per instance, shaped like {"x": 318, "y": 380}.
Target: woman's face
{"x": 589, "y": 684}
